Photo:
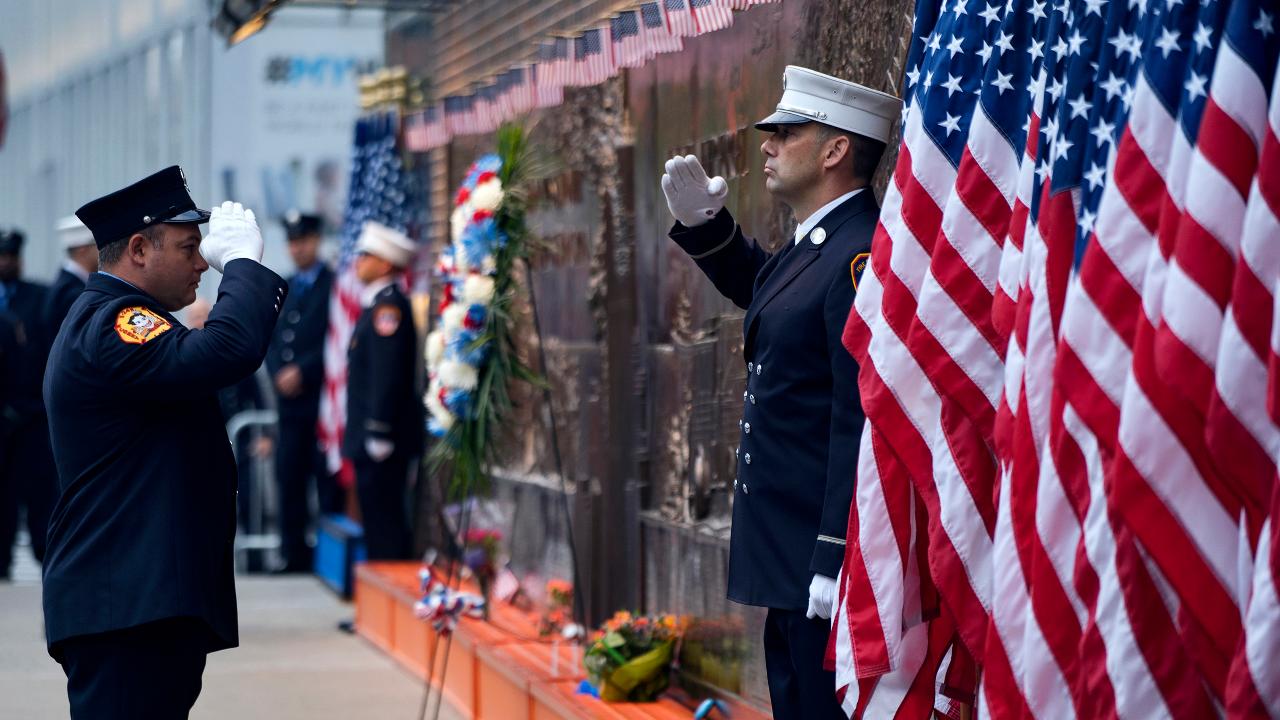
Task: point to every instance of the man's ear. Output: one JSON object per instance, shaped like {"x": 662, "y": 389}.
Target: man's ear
{"x": 138, "y": 248}
{"x": 837, "y": 149}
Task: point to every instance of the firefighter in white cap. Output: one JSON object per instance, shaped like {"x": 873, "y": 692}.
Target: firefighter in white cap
{"x": 801, "y": 418}
{"x": 81, "y": 260}
{"x": 384, "y": 410}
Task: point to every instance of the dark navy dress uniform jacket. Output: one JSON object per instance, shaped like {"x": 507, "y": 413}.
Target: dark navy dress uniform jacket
{"x": 299, "y": 340}
{"x": 801, "y": 418}
{"x": 382, "y": 400}
{"x": 144, "y": 525}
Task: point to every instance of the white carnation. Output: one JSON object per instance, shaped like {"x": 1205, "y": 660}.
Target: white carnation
{"x": 452, "y": 317}
{"x": 458, "y": 221}
{"x": 437, "y": 408}
{"x": 478, "y": 289}
{"x": 435, "y": 348}
{"x": 458, "y": 375}
{"x": 487, "y": 195}
{"x": 488, "y": 265}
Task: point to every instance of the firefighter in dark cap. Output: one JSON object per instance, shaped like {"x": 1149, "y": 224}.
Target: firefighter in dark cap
{"x": 138, "y": 580}
{"x": 295, "y": 362}
{"x": 27, "y": 477}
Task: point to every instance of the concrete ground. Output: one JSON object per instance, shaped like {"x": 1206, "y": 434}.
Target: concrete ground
{"x": 291, "y": 664}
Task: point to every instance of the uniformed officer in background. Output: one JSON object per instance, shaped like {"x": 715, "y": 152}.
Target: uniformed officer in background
{"x": 138, "y": 583}
{"x": 27, "y": 478}
{"x": 82, "y": 259}
{"x": 295, "y": 363}
{"x": 384, "y": 408}
{"x": 802, "y": 418}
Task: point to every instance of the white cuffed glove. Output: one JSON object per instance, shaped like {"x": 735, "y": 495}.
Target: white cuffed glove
{"x": 822, "y": 597}
{"x": 692, "y": 198}
{"x": 233, "y": 234}
{"x": 378, "y": 450}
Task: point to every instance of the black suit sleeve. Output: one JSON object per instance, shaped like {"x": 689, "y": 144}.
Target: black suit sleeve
{"x": 846, "y": 429}
{"x": 230, "y": 347}
{"x": 728, "y": 258}
{"x": 391, "y": 346}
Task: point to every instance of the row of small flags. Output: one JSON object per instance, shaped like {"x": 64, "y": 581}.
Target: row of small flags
{"x": 627, "y": 39}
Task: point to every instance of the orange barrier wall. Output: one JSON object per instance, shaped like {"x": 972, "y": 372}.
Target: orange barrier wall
{"x": 497, "y": 670}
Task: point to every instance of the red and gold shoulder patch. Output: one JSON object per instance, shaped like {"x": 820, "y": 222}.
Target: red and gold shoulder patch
{"x": 138, "y": 325}
{"x": 857, "y": 266}
{"x": 386, "y": 319}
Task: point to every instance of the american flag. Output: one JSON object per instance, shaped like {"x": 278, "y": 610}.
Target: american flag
{"x": 658, "y": 38}
{"x": 679, "y": 19}
{"x": 545, "y": 94}
{"x": 592, "y": 58}
{"x": 628, "y": 45}
{"x": 379, "y": 190}
{"x": 559, "y": 64}
{"x": 1063, "y": 385}
{"x": 711, "y": 15}
{"x": 488, "y": 110}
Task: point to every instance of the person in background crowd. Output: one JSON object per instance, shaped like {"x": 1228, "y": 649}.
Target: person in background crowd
{"x": 295, "y": 363}
{"x": 384, "y": 407}
{"x": 139, "y": 582}
{"x": 801, "y": 418}
{"x": 82, "y": 259}
{"x": 27, "y": 479}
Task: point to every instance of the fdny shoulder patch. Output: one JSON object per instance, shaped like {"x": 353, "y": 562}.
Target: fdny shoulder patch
{"x": 138, "y": 325}
{"x": 386, "y": 319}
{"x": 857, "y": 266}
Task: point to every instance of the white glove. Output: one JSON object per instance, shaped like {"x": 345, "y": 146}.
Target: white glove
{"x": 233, "y": 233}
{"x": 822, "y": 597}
{"x": 691, "y": 197}
{"x": 378, "y": 450}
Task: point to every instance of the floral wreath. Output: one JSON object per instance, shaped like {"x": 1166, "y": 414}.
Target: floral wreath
{"x": 471, "y": 354}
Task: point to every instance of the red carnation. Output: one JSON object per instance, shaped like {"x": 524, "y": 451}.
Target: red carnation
{"x": 486, "y": 177}
{"x": 481, "y": 215}
{"x": 463, "y": 195}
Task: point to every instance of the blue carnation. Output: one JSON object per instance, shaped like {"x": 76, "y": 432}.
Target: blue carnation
{"x": 458, "y": 402}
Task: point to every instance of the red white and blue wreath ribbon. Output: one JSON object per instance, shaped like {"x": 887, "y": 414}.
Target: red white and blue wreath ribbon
{"x": 442, "y": 607}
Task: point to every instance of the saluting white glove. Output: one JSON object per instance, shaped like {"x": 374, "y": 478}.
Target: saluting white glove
{"x": 822, "y": 597}
{"x": 692, "y": 198}
{"x": 378, "y": 450}
{"x": 233, "y": 234}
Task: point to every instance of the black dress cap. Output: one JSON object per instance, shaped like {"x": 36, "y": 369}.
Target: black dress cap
{"x": 159, "y": 198}
{"x": 11, "y": 242}
{"x": 297, "y": 224}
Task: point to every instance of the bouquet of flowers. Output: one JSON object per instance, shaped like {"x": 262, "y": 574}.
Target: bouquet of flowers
{"x": 471, "y": 353}
{"x": 480, "y": 556}
{"x": 629, "y": 659}
{"x": 559, "y": 608}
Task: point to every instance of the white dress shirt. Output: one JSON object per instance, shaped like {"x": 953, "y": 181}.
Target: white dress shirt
{"x": 812, "y": 221}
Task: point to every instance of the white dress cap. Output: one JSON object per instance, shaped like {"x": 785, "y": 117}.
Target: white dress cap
{"x": 809, "y": 96}
{"x": 390, "y": 245}
{"x": 72, "y": 233}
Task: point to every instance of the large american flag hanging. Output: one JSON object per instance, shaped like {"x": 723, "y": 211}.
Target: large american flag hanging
{"x": 1067, "y": 337}
{"x": 379, "y": 190}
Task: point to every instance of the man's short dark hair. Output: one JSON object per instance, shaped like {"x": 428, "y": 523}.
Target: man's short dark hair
{"x": 866, "y": 152}
{"x": 112, "y": 252}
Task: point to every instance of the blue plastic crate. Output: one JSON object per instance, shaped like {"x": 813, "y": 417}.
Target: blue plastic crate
{"x": 339, "y": 546}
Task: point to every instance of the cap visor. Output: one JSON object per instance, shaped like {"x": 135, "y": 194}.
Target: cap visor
{"x": 780, "y": 117}
{"x": 190, "y": 216}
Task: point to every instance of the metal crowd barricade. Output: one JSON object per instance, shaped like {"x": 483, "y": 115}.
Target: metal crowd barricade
{"x": 257, "y": 533}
